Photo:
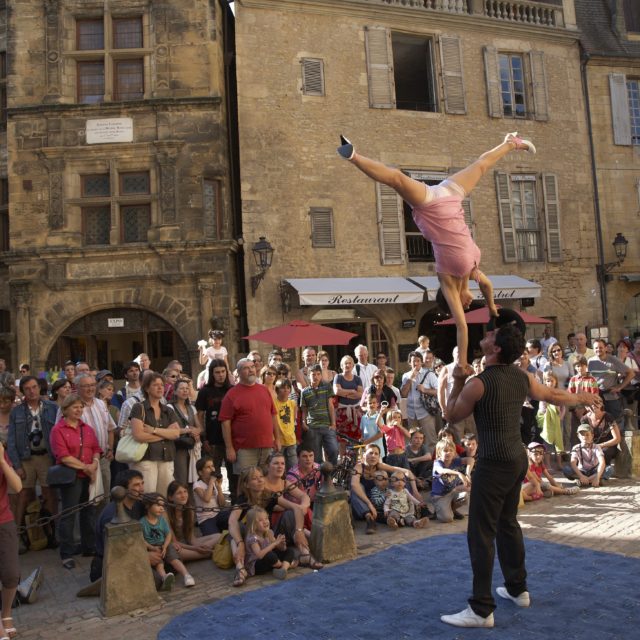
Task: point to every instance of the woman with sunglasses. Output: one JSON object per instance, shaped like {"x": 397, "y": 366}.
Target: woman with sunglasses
{"x": 563, "y": 373}
{"x": 268, "y": 376}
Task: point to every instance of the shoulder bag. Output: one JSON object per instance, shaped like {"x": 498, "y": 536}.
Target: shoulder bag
{"x": 129, "y": 450}
{"x": 60, "y": 475}
{"x": 429, "y": 403}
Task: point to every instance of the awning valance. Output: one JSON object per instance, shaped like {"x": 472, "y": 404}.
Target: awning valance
{"x": 354, "y": 291}
{"x": 504, "y": 287}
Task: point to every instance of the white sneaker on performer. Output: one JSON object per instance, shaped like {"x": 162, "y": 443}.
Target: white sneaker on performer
{"x": 520, "y": 143}
{"x": 468, "y": 618}
{"x": 523, "y": 600}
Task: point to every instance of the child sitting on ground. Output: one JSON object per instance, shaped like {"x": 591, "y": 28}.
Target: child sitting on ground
{"x": 400, "y": 505}
{"x": 470, "y": 444}
{"x": 394, "y": 436}
{"x": 378, "y": 493}
{"x": 157, "y": 535}
{"x": 447, "y": 433}
{"x": 587, "y": 460}
{"x": 539, "y": 483}
{"x": 449, "y": 482}
{"x": 264, "y": 551}
{"x": 419, "y": 459}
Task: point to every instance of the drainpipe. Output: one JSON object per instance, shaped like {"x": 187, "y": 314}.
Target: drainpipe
{"x": 584, "y": 60}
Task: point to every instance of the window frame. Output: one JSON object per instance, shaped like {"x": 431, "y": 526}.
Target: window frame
{"x": 4, "y": 215}
{"x": 121, "y": 212}
{"x": 510, "y": 57}
{"x": 82, "y": 64}
{"x": 3, "y": 90}
{"x": 212, "y": 220}
{"x": 633, "y": 95}
{"x": 315, "y": 221}
{"x": 84, "y": 212}
{"x": 312, "y": 70}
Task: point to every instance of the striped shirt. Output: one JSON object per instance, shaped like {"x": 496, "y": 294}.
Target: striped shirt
{"x": 316, "y": 402}
{"x": 497, "y": 413}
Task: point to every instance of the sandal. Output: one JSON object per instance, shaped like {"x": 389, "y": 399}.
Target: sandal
{"x": 10, "y": 631}
{"x": 421, "y": 524}
{"x": 310, "y": 562}
{"x": 392, "y": 523}
{"x": 240, "y": 577}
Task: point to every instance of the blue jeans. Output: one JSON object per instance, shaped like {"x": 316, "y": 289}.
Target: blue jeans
{"x": 323, "y": 438}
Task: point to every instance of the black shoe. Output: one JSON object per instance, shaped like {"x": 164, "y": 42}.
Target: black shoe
{"x": 88, "y": 554}
{"x": 457, "y": 516}
{"x": 346, "y": 149}
{"x": 69, "y": 563}
{"x": 371, "y": 527}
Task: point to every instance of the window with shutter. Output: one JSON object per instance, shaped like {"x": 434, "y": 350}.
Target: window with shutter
{"x": 632, "y": 15}
{"x": 539, "y": 86}
{"x": 492, "y": 75}
{"x": 312, "y": 76}
{"x": 379, "y": 67}
{"x": 322, "y": 228}
{"x": 552, "y": 217}
{"x": 633, "y": 92}
{"x": 452, "y": 74}
{"x": 391, "y": 233}
{"x": 620, "y": 109}
{"x": 507, "y": 230}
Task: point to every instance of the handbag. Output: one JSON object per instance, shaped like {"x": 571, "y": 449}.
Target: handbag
{"x": 429, "y": 403}
{"x": 186, "y": 441}
{"x": 59, "y": 475}
{"x": 129, "y": 450}
{"x": 221, "y": 555}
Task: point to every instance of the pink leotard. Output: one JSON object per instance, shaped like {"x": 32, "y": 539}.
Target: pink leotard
{"x": 441, "y": 221}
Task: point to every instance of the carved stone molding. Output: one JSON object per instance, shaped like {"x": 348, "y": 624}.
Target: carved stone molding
{"x": 52, "y": 35}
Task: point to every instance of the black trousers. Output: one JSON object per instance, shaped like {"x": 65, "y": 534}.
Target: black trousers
{"x": 493, "y": 511}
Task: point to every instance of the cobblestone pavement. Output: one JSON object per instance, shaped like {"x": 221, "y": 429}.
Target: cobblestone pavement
{"x": 605, "y": 519}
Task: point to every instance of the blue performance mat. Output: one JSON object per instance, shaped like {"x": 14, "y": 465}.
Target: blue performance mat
{"x": 402, "y": 591}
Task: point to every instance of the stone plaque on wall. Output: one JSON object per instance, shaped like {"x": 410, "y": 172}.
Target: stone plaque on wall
{"x": 108, "y": 130}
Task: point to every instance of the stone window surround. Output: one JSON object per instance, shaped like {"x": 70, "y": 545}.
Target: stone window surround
{"x": 71, "y": 55}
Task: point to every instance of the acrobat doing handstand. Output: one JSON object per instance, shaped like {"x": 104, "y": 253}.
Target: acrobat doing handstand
{"x": 438, "y": 213}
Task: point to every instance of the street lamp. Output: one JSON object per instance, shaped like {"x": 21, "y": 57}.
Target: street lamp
{"x": 263, "y": 255}
{"x": 620, "y": 247}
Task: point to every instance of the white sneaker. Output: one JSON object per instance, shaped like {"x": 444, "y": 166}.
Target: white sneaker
{"x": 523, "y": 600}
{"x": 570, "y": 491}
{"x": 468, "y": 618}
{"x": 189, "y": 581}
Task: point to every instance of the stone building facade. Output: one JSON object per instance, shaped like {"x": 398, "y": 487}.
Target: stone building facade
{"x": 611, "y": 62}
{"x": 116, "y": 163}
{"x": 426, "y": 86}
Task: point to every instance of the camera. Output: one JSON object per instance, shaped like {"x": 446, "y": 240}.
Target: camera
{"x": 218, "y": 475}
{"x": 35, "y": 437}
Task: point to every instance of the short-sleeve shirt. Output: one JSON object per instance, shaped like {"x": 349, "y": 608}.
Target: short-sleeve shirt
{"x": 250, "y": 409}
{"x": 316, "y": 401}
{"x": 606, "y": 373}
{"x": 415, "y": 408}
{"x": 286, "y": 411}
{"x": 369, "y": 428}
{"x": 444, "y": 484}
{"x": 209, "y": 401}
{"x": 165, "y": 450}
{"x": 587, "y": 458}
{"x": 349, "y": 385}
{"x": 155, "y": 534}
{"x": 422, "y": 451}
{"x": 212, "y": 353}
{"x": 5, "y": 511}
{"x": 202, "y": 516}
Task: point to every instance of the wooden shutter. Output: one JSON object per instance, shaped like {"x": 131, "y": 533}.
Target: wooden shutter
{"x": 620, "y": 115}
{"x": 468, "y": 215}
{"x": 552, "y": 217}
{"x": 452, "y": 74}
{"x": 507, "y": 227}
{"x": 390, "y": 225}
{"x": 321, "y": 227}
{"x": 539, "y": 85}
{"x": 380, "y": 67}
{"x": 312, "y": 76}
{"x": 492, "y": 74}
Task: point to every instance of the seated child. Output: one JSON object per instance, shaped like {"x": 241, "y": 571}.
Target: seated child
{"x": 207, "y": 493}
{"x": 470, "y": 444}
{"x": 448, "y": 482}
{"x": 587, "y": 460}
{"x": 400, "y": 505}
{"x": 157, "y": 535}
{"x": 419, "y": 458}
{"x": 394, "y": 436}
{"x": 378, "y": 493}
{"x": 447, "y": 433}
{"x": 539, "y": 483}
{"x": 264, "y": 551}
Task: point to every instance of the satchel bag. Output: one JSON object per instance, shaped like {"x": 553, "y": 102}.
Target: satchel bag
{"x": 186, "y": 441}
{"x": 221, "y": 555}
{"x": 59, "y": 475}
{"x": 429, "y": 403}
{"x": 129, "y": 450}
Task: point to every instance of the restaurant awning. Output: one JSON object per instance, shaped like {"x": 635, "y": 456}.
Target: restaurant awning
{"x": 504, "y": 287}
{"x": 352, "y": 291}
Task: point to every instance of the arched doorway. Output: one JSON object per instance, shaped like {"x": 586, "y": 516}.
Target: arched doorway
{"x": 110, "y": 338}
{"x": 632, "y": 316}
{"x": 443, "y": 338}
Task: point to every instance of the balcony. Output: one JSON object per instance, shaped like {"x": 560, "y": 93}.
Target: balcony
{"x": 544, "y": 14}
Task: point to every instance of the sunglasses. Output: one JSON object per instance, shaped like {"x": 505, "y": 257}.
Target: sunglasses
{"x": 381, "y": 477}
{"x": 394, "y": 479}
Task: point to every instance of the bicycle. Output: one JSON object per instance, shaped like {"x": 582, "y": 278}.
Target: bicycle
{"x": 343, "y": 471}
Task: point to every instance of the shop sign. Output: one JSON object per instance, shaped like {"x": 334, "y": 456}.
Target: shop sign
{"x": 115, "y": 323}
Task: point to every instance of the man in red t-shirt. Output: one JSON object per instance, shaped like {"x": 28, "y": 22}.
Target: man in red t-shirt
{"x": 249, "y": 422}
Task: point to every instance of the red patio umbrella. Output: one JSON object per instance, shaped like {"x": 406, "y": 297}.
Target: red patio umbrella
{"x": 481, "y": 316}
{"x": 299, "y": 333}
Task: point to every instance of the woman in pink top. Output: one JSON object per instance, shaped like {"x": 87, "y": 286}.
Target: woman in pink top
{"x": 438, "y": 213}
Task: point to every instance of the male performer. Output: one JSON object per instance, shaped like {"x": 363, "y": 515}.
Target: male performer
{"x": 495, "y": 398}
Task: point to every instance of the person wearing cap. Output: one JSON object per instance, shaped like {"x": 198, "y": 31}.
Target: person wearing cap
{"x": 495, "y": 398}
{"x": 587, "y": 460}
{"x": 104, "y": 374}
